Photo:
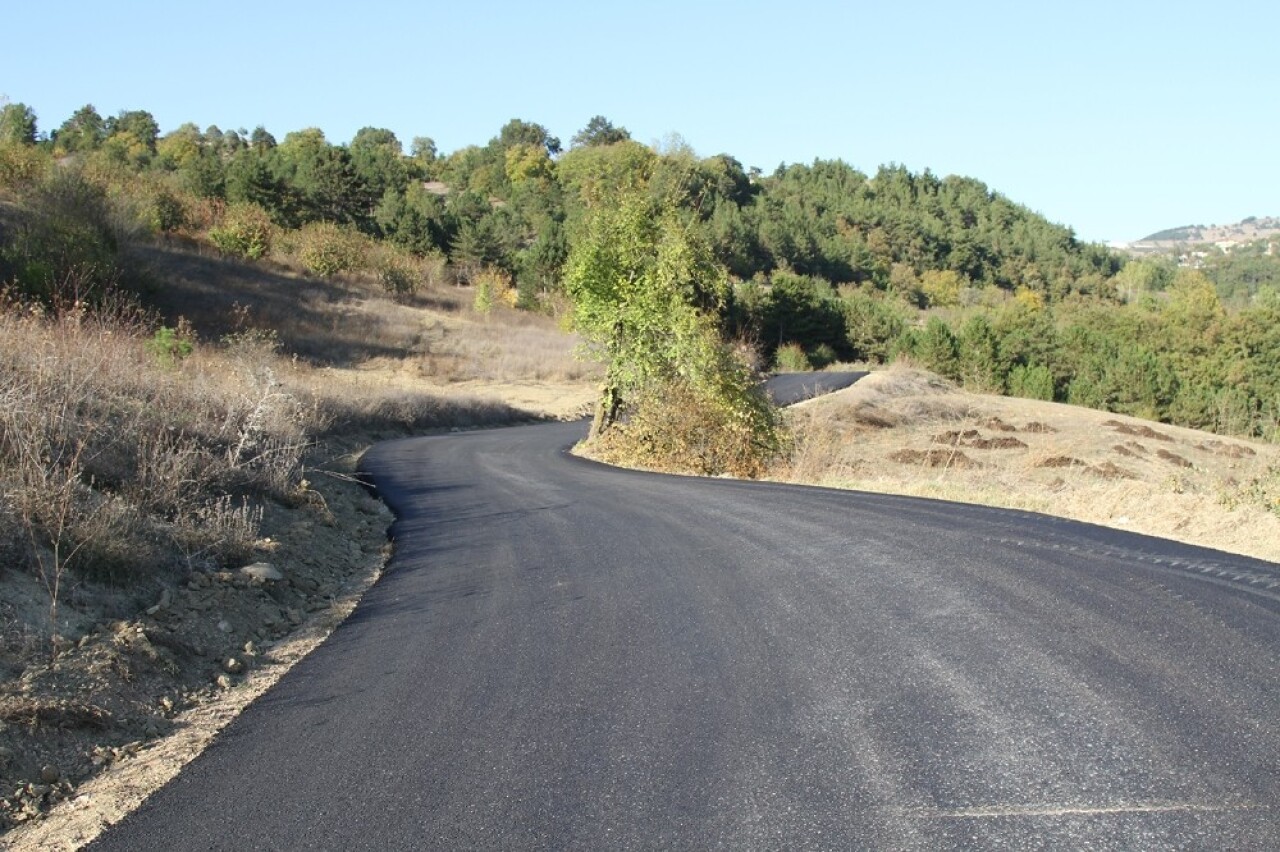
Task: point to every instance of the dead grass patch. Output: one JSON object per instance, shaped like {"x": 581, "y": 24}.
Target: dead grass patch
{"x": 995, "y": 424}
{"x": 1228, "y": 500}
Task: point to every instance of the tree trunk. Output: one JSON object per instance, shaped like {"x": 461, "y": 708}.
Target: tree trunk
{"x": 606, "y": 410}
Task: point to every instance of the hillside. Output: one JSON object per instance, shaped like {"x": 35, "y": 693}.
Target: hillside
{"x": 906, "y": 431}
{"x": 1244, "y": 231}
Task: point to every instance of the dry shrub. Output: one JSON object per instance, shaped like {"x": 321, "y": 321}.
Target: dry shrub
{"x": 397, "y": 271}
{"x": 672, "y": 428}
{"x": 818, "y": 442}
{"x": 245, "y": 230}
{"x": 325, "y": 249}
{"x": 377, "y": 412}
{"x": 1231, "y": 451}
{"x": 118, "y": 468}
{"x": 518, "y": 346}
{"x": 869, "y": 414}
{"x": 1111, "y": 470}
{"x": 973, "y": 439}
{"x": 21, "y": 166}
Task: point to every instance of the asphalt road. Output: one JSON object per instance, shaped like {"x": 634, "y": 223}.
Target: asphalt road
{"x": 566, "y": 656}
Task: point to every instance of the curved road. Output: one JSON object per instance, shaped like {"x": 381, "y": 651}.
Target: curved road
{"x": 562, "y": 655}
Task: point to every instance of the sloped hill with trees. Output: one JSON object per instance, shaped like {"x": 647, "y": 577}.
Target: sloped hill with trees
{"x": 825, "y": 262}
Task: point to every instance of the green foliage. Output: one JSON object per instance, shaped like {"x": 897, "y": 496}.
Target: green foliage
{"x": 646, "y": 294}
{"x": 936, "y": 348}
{"x": 246, "y": 230}
{"x": 790, "y": 358}
{"x": 804, "y": 310}
{"x": 599, "y": 131}
{"x": 397, "y": 273}
{"x": 980, "y": 367}
{"x": 491, "y": 287}
{"x": 872, "y": 325}
{"x": 1033, "y": 310}
{"x": 821, "y": 356}
{"x": 21, "y": 166}
{"x": 17, "y": 125}
{"x": 1031, "y": 382}
{"x": 84, "y": 131}
{"x": 942, "y": 288}
{"x": 66, "y": 237}
{"x": 171, "y": 345}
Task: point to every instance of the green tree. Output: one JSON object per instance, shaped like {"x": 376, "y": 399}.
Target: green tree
{"x": 646, "y": 295}
{"x": 937, "y": 348}
{"x": 85, "y": 130}
{"x": 980, "y": 367}
{"x": 377, "y": 158}
{"x": 599, "y": 131}
{"x": 872, "y": 325}
{"x": 17, "y": 125}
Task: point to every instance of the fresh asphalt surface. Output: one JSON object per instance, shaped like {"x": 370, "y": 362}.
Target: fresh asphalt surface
{"x": 562, "y": 655}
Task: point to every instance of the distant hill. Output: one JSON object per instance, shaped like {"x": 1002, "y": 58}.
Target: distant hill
{"x": 1247, "y": 230}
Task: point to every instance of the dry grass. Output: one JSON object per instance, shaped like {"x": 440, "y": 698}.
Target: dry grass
{"x": 117, "y": 468}
{"x": 909, "y": 432}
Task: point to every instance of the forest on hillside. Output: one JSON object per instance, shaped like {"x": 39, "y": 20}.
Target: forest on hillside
{"x": 826, "y": 263}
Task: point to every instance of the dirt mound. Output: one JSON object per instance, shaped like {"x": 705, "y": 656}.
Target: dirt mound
{"x": 973, "y": 439}
{"x": 1173, "y": 458}
{"x": 934, "y": 458}
{"x": 1142, "y": 431}
{"x": 1061, "y": 461}
{"x": 1111, "y": 470}
{"x": 1231, "y": 451}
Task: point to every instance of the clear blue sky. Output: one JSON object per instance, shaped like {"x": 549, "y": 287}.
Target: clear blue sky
{"x": 1116, "y": 118}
